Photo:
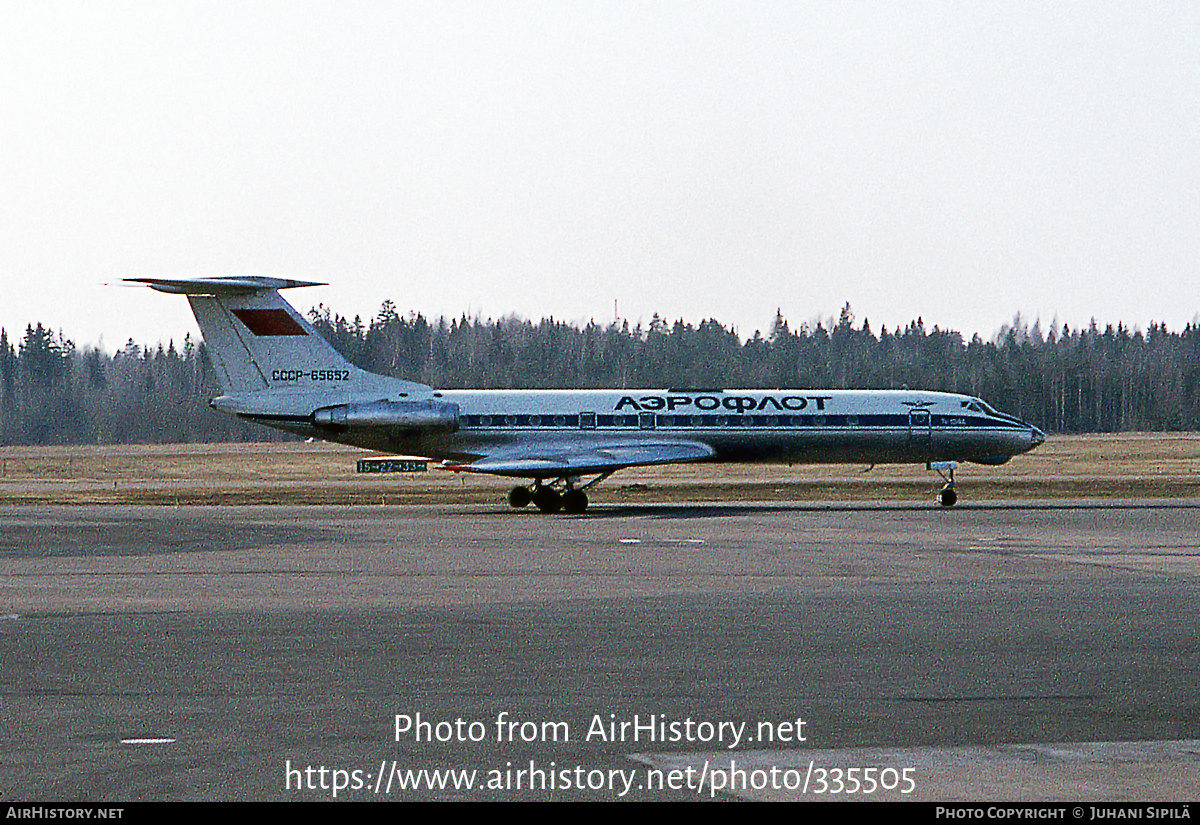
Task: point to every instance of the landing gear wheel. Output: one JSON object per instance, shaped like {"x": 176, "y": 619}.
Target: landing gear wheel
{"x": 547, "y": 500}
{"x": 574, "y": 501}
{"x": 519, "y": 497}
{"x": 948, "y": 495}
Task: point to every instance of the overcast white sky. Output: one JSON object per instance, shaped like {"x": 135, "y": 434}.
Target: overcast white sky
{"x": 956, "y": 161}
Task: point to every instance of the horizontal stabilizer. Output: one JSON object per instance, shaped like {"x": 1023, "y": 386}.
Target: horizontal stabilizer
{"x": 225, "y": 285}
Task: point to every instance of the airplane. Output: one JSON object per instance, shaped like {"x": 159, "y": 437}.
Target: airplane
{"x": 276, "y": 369}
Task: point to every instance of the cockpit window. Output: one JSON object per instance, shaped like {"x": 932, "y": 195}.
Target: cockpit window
{"x": 980, "y": 406}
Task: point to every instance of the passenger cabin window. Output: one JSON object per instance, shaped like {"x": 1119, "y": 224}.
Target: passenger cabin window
{"x": 587, "y": 421}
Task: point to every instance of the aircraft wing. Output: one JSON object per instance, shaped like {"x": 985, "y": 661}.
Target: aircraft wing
{"x": 540, "y": 461}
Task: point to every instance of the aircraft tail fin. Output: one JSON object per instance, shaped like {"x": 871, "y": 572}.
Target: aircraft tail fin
{"x": 258, "y": 341}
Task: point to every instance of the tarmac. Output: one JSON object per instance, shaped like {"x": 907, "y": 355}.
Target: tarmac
{"x": 1032, "y": 651}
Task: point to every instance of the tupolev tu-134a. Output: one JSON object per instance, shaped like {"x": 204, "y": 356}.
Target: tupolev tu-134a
{"x": 277, "y": 370}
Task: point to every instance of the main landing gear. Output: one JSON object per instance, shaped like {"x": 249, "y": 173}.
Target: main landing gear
{"x": 548, "y": 500}
{"x": 573, "y": 499}
{"x": 947, "y": 496}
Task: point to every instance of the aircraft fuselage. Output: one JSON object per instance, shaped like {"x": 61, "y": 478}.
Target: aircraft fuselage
{"x": 802, "y": 426}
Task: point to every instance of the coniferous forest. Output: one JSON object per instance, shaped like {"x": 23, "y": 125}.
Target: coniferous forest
{"x": 1062, "y": 380}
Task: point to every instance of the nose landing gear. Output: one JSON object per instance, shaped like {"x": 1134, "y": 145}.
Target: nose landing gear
{"x": 947, "y": 496}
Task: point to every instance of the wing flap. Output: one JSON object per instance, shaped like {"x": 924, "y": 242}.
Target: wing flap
{"x": 539, "y": 462}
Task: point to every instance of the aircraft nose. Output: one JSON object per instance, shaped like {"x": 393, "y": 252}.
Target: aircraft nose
{"x": 1036, "y": 436}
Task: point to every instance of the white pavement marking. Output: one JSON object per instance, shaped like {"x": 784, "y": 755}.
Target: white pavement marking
{"x": 1067, "y": 772}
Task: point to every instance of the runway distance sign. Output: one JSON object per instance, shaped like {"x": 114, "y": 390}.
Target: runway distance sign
{"x": 392, "y": 464}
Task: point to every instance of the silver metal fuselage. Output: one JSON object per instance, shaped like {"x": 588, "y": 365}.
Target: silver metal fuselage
{"x": 801, "y": 426}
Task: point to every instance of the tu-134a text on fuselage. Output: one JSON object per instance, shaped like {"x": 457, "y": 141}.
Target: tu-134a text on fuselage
{"x": 277, "y": 370}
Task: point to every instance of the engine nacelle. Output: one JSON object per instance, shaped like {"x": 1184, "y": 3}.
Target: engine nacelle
{"x": 402, "y": 415}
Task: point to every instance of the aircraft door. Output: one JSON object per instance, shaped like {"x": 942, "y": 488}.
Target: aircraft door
{"x": 920, "y": 431}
